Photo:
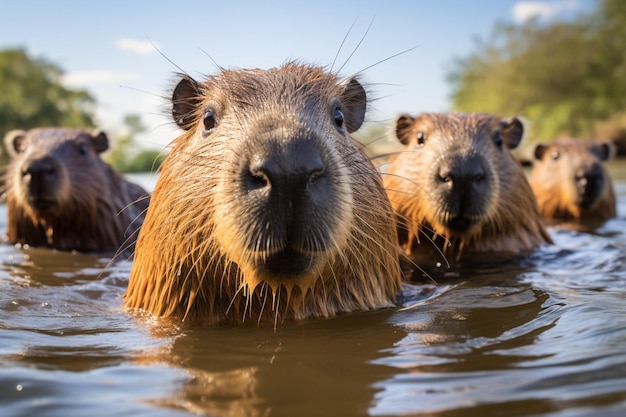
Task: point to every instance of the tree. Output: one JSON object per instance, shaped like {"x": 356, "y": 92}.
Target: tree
{"x": 148, "y": 160}
{"x": 566, "y": 77}
{"x": 125, "y": 154}
{"x": 32, "y": 95}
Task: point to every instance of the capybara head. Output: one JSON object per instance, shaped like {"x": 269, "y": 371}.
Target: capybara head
{"x": 61, "y": 194}
{"x": 570, "y": 181}
{"x": 456, "y": 179}
{"x": 265, "y": 208}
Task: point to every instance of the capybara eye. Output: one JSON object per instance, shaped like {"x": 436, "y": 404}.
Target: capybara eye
{"x": 209, "y": 120}
{"x": 497, "y": 139}
{"x": 338, "y": 115}
{"x": 421, "y": 138}
{"x": 554, "y": 155}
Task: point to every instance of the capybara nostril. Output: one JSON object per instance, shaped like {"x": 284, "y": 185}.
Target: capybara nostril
{"x": 256, "y": 178}
{"x": 446, "y": 173}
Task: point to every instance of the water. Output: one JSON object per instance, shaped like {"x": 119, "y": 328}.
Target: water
{"x": 542, "y": 336}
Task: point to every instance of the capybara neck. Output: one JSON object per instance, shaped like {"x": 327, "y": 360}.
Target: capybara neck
{"x": 62, "y": 195}
{"x": 457, "y": 190}
{"x": 570, "y": 182}
{"x": 265, "y": 209}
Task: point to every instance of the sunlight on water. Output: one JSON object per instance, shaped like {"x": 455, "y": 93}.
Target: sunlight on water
{"x": 542, "y": 336}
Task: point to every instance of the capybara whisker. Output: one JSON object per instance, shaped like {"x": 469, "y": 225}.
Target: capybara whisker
{"x": 62, "y": 195}
{"x": 570, "y": 181}
{"x": 265, "y": 194}
{"x": 458, "y": 179}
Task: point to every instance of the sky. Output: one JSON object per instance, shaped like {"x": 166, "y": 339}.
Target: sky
{"x": 127, "y": 53}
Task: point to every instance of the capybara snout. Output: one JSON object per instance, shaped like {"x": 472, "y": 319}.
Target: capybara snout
{"x": 286, "y": 186}
{"x": 463, "y": 184}
{"x": 291, "y": 184}
{"x": 590, "y": 183}
{"x": 41, "y": 177}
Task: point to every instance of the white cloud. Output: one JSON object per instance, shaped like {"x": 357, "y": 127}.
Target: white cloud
{"x": 526, "y": 10}
{"x": 91, "y": 77}
{"x": 137, "y": 47}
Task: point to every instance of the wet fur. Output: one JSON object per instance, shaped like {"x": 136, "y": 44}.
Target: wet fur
{"x": 195, "y": 263}
{"x": 510, "y": 222}
{"x": 97, "y": 209}
{"x": 553, "y": 180}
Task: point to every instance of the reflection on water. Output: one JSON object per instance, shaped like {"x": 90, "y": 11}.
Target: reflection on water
{"x": 544, "y": 335}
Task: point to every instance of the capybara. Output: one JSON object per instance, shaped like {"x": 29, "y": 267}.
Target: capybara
{"x": 60, "y": 194}
{"x": 457, "y": 189}
{"x": 266, "y": 209}
{"x": 570, "y": 181}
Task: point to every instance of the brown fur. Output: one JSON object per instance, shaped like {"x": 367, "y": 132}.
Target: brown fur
{"x": 222, "y": 234}
{"x": 493, "y": 211}
{"x": 570, "y": 181}
{"x": 60, "y": 194}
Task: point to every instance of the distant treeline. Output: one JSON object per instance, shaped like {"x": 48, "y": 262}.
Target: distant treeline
{"x": 32, "y": 94}
{"x": 568, "y": 78}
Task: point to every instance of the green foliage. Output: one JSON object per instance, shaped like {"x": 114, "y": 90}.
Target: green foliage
{"x": 124, "y": 154}
{"x": 123, "y": 147}
{"x": 32, "y": 95}
{"x": 565, "y": 77}
{"x": 146, "y": 161}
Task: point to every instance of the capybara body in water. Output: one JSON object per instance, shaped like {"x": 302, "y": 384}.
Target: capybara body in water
{"x": 60, "y": 194}
{"x": 457, "y": 189}
{"x": 570, "y": 181}
{"x": 265, "y": 208}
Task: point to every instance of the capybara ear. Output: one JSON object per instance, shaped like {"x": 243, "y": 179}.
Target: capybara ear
{"x": 403, "y": 128}
{"x": 185, "y": 101}
{"x": 15, "y": 142}
{"x": 354, "y": 101}
{"x": 540, "y": 151}
{"x": 512, "y": 132}
{"x": 604, "y": 150}
{"x": 100, "y": 141}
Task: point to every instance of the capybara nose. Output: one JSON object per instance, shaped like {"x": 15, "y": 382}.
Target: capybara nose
{"x": 589, "y": 182}
{"x": 289, "y": 174}
{"x": 462, "y": 173}
{"x": 589, "y": 176}
{"x": 39, "y": 167}
{"x": 39, "y": 173}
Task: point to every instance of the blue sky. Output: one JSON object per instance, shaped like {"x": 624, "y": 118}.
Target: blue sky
{"x": 106, "y": 47}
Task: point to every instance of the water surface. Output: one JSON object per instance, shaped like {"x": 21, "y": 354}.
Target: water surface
{"x": 544, "y": 335}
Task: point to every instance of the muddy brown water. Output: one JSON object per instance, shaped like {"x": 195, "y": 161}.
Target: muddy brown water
{"x": 542, "y": 335}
